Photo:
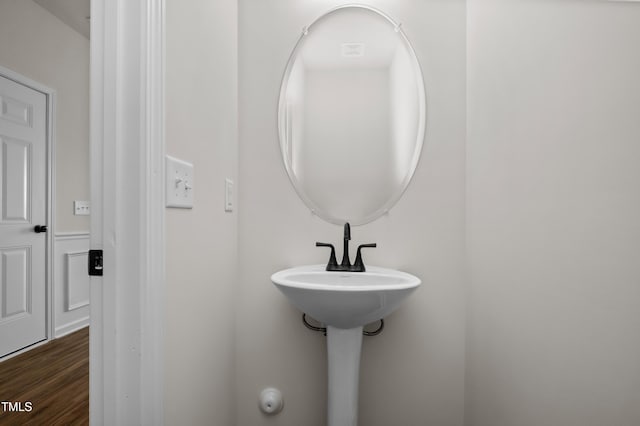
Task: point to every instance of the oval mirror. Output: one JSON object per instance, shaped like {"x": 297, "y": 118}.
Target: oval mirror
{"x": 351, "y": 114}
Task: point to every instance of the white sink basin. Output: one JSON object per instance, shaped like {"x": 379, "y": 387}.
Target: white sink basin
{"x": 345, "y": 299}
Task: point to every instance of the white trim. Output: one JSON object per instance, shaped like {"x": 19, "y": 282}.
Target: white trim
{"x": 51, "y": 207}
{"x": 25, "y": 81}
{"x": 152, "y": 164}
{"x": 72, "y": 327}
{"x": 127, "y": 221}
{"x": 79, "y": 235}
{"x": 98, "y": 97}
{"x": 50, "y": 95}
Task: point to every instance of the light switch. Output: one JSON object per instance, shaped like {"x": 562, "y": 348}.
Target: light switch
{"x": 228, "y": 195}
{"x": 179, "y": 183}
{"x": 81, "y": 208}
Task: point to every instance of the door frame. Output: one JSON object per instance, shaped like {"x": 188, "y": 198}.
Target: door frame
{"x": 127, "y": 202}
{"x": 50, "y": 103}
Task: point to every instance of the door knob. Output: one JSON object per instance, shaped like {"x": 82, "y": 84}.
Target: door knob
{"x": 40, "y": 228}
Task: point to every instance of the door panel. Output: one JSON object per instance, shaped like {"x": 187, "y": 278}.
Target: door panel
{"x": 15, "y": 283}
{"x": 15, "y": 110}
{"x": 16, "y": 160}
{"x": 23, "y": 197}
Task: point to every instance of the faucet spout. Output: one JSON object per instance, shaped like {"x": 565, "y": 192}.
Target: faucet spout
{"x": 346, "y": 262}
{"x": 347, "y": 231}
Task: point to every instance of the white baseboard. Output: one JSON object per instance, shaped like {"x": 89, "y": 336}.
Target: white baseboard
{"x": 71, "y": 327}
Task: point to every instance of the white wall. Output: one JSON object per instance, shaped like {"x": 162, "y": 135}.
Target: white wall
{"x": 412, "y": 374}
{"x": 38, "y": 45}
{"x": 201, "y": 127}
{"x": 553, "y": 207}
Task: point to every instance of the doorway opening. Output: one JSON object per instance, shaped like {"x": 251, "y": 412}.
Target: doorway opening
{"x": 44, "y": 185}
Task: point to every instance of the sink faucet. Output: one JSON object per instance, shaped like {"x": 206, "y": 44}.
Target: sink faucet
{"x": 345, "y": 265}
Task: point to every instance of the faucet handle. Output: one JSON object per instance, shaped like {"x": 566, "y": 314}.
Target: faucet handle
{"x": 333, "y": 263}
{"x": 358, "y": 265}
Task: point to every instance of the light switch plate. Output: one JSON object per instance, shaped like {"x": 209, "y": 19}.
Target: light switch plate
{"x": 179, "y": 183}
{"x": 228, "y": 195}
{"x": 81, "y": 208}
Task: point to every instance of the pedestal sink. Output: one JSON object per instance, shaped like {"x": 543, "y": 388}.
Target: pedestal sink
{"x": 344, "y": 302}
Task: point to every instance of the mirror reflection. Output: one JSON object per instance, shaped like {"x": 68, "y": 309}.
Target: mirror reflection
{"x": 351, "y": 114}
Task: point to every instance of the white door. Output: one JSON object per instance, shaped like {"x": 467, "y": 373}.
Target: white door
{"x": 23, "y": 206}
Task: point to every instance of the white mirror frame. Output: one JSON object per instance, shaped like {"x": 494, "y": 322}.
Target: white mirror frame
{"x": 282, "y": 125}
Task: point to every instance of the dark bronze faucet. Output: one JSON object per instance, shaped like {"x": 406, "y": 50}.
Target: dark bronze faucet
{"x": 346, "y": 262}
{"x": 345, "y": 265}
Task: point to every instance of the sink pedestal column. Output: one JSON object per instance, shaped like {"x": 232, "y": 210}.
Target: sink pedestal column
{"x": 343, "y": 346}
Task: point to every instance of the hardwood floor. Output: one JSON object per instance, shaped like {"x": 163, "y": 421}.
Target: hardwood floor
{"x": 54, "y": 378}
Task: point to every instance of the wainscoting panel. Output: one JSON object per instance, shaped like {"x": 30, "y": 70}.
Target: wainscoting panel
{"x": 77, "y": 294}
{"x": 70, "y": 282}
